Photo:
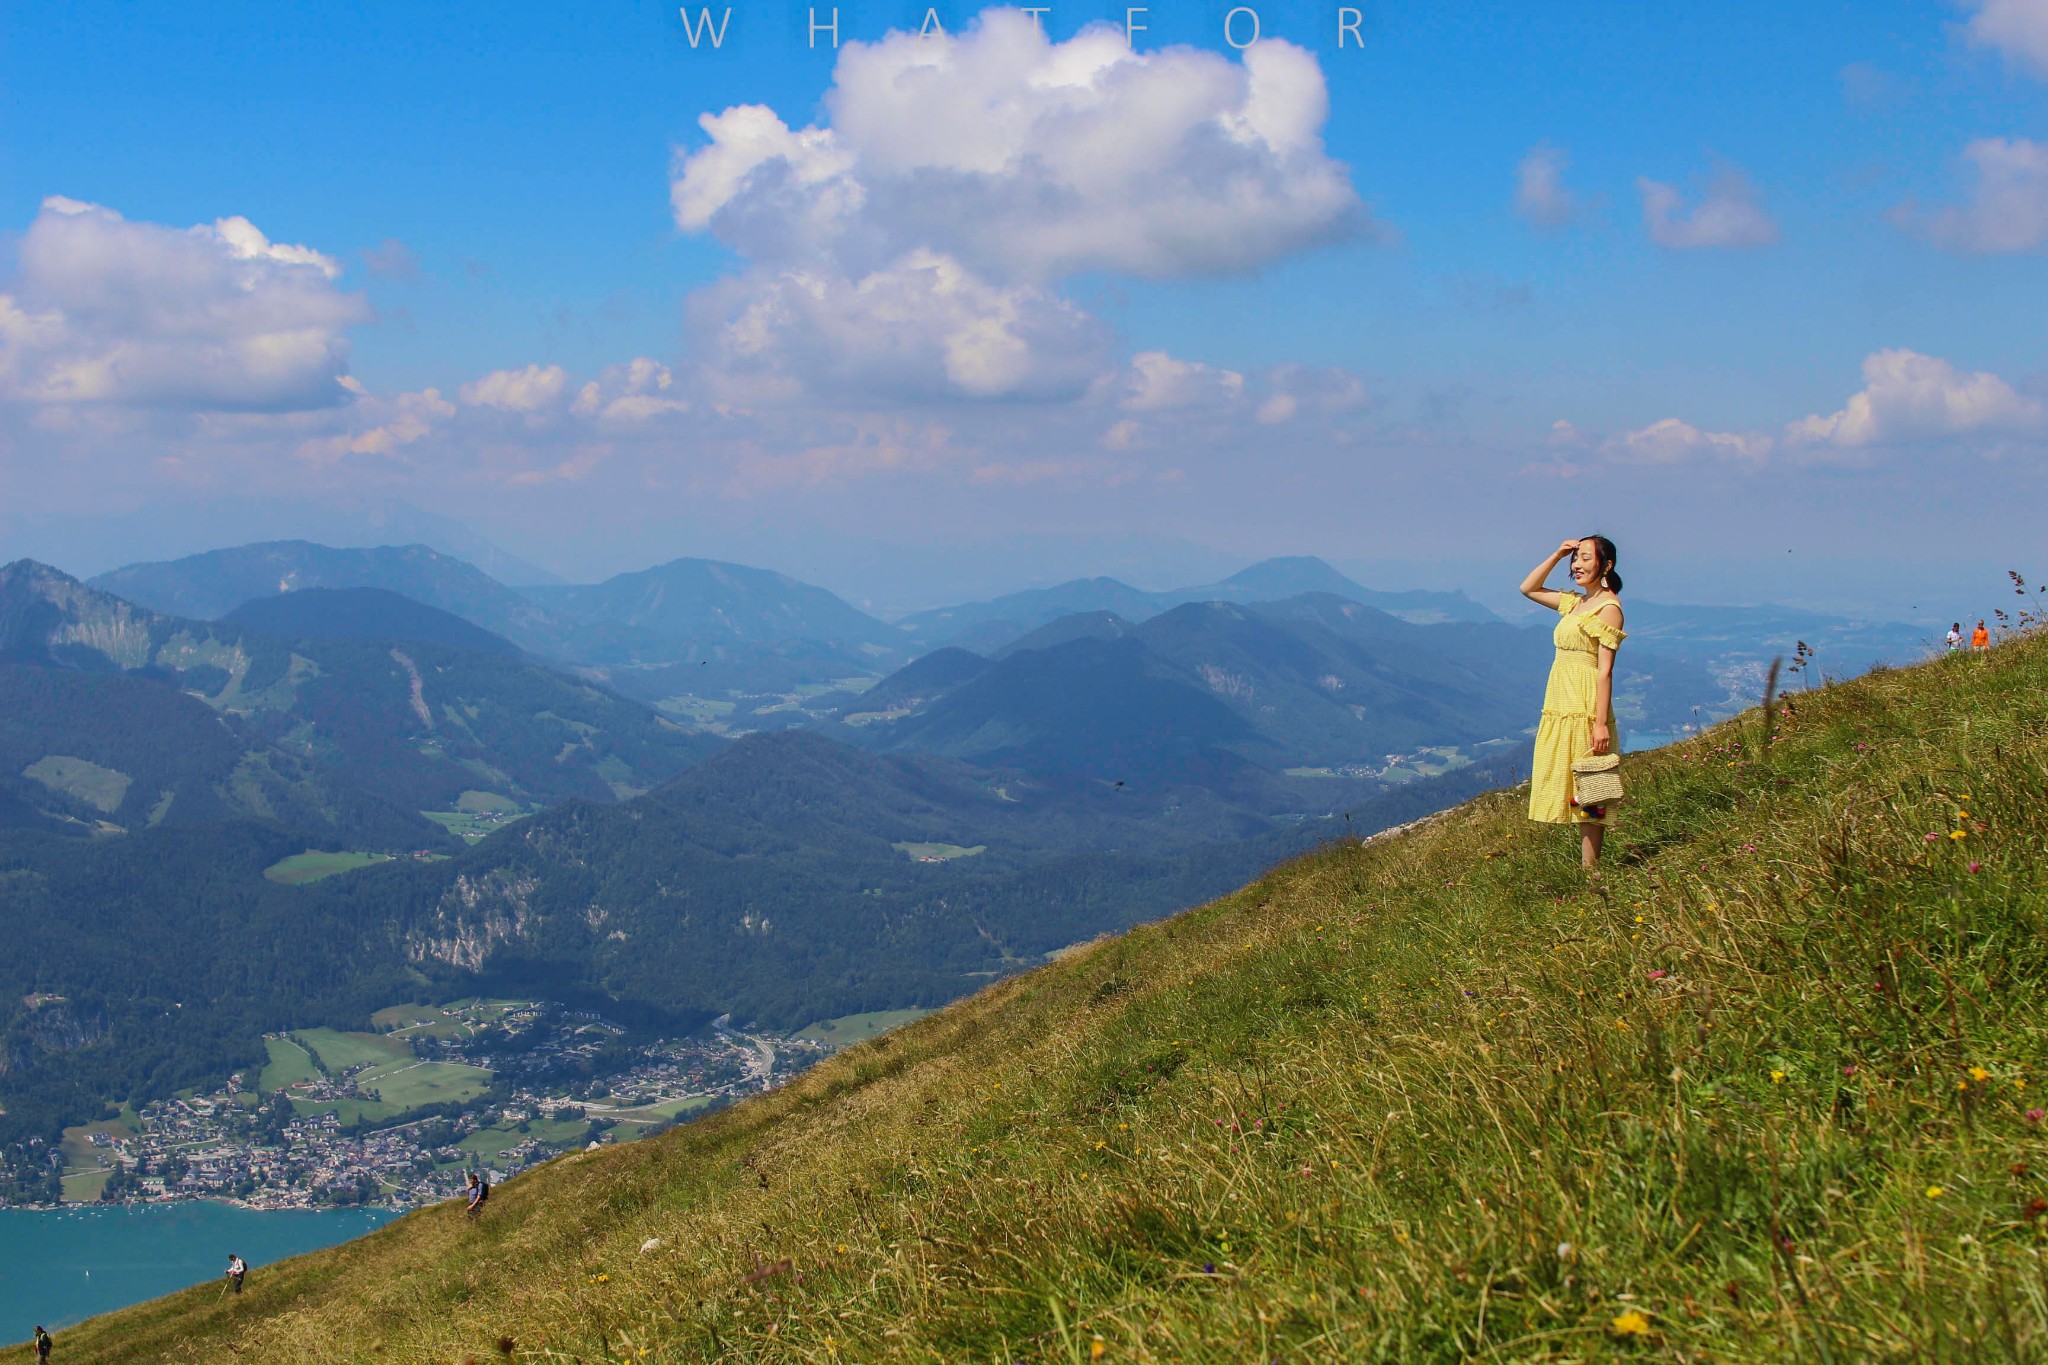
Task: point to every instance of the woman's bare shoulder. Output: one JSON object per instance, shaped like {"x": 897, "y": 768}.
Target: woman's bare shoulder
{"x": 1610, "y": 611}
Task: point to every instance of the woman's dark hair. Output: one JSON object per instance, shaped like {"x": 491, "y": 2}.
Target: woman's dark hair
{"x": 1604, "y": 548}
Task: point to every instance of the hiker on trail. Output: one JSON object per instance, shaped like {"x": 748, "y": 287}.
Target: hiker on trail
{"x": 1578, "y": 703}
{"x": 43, "y": 1344}
{"x": 1955, "y": 637}
{"x": 1980, "y": 638}
{"x": 237, "y": 1268}
{"x": 479, "y": 1191}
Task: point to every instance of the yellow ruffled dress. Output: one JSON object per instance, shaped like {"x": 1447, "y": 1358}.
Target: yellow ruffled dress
{"x": 1569, "y": 701}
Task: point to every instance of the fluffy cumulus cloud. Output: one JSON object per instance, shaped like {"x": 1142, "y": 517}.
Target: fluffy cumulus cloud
{"x": 1540, "y": 193}
{"x": 2017, "y": 28}
{"x": 911, "y": 244}
{"x": 1908, "y": 397}
{"x": 1029, "y": 159}
{"x": 529, "y": 389}
{"x": 2007, "y": 208}
{"x": 923, "y": 327}
{"x": 1672, "y": 441}
{"x": 108, "y": 312}
{"x": 1730, "y": 216}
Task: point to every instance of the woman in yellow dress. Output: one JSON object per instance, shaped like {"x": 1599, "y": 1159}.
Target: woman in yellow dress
{"x": 1578, "y": 705}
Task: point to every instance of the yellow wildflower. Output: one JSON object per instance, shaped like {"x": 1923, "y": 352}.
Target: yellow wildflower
{"x": 1096, "y": 1348}
{"x": 1777, "y": 1078}
{"x": 1978, "y": 1073}
{"x": 1630, "y": 1324}
{"x": 1935, "y": 1191}
{"x": 1958, "y": 834}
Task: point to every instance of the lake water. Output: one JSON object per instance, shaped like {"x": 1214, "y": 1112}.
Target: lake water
{"x": 58, "y": 1266}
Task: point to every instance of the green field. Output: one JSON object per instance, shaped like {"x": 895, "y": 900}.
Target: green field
{"x": 103, "y": 789}
{"x": 311, "y": 866}
{"x": 340, "y": 1051}
{"x": 409, "y": 1085}
{"x": 289, "y": 1064}
{"x": 849, "y": 1029}
{"x": 409, "y": 1018}
{"x": 941, "y": 852}
{"x": 478, "y": 814}
{"x": 707, "y": 712}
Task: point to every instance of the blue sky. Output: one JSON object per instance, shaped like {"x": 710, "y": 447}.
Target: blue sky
{"x": 1363, "y": 351}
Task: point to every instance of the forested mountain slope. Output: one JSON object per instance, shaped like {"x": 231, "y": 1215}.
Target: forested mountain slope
{"x": 321, "y": 724}
{"x": 1766, "y": 1088}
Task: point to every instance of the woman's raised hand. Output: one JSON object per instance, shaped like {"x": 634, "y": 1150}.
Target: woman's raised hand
{"x": 1567, "y": 549}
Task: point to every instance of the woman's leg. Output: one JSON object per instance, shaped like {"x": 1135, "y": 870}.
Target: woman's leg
{"x": 1591, "y": 832}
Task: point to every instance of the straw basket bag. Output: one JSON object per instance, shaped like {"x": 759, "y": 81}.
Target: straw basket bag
{"x": 1596, "y": 780}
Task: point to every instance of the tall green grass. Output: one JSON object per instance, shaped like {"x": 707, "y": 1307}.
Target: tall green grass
{"x": 1764, "y": 1088}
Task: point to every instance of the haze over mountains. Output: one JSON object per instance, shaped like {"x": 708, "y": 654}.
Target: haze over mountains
{"x": 1105, "y": 754}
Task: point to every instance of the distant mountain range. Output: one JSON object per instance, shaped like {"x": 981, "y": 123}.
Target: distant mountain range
{"x": 989, "y": 626}
{"x": 119, "y": 714}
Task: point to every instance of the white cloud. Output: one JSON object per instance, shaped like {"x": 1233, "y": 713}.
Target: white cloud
{"x": 2008, "y": 205}
{"x": 1731, "y": 215}
{"x": 1672, "y": 440}
{"x": 638, "y": 391}
{"x": 908, "y": 246}
{"x": 1540, "y": 193}
{"x": 2017, "y": 28}
{"x": 1912, "y": 397}
{"x": 1158, "y": 382}
{"x": 923, "y": 327}
{"x": 1030, "y": 160}
{"x": 523, "y": 390}
{"x": 104, "y": 311}
{"x": 1281, "y": 407}
{"x": 381, "y": 426}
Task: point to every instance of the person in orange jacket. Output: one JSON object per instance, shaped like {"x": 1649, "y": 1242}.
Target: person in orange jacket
{"x": 1980, "y": 638}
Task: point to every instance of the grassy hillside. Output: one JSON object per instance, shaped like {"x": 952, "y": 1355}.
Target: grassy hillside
{"x": 1763, "y": 1090}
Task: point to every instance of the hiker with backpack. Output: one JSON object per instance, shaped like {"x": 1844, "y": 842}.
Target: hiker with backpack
{"x": 237, "y": 1268}
{"x": 43, "y": 1345}
{"x": 479, "y": 1191}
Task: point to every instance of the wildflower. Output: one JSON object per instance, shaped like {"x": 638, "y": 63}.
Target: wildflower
{"x": 1630, "y": 1324}
{"x": 1621, "y": 1024}
{"x": 1849, "y": 1070}
{"x": 1932, "y": 837}
{"x": 1935, "y": 1191}
{"x": 1965, "y": 796}
{"x": 1976, "y": 867}
{"x": 2019, "y": 1083}
{"x": 1979, "y": 1074}
{"x": 1658, "y": 975}
{"x": 1958, "y": 834}
{"x": 2036, "y": 1115}
{"x": 842, "y": 1248}
{"x": 1096, "y": 1348}
{"x": 1777, "y": 1078}
{"x": 1639, "y": 919}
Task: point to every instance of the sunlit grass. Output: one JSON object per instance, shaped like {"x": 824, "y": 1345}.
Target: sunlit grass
{"x": 1764, "y": 1090}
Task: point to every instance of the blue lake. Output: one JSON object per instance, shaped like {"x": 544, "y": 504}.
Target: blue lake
{"x": 58, "y": 1266}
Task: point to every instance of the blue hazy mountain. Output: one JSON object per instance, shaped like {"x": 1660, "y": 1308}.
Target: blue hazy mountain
{"x": 208, "y": 586}
{"x": 988, "y": 626}
{"x": 363, "y": 614}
